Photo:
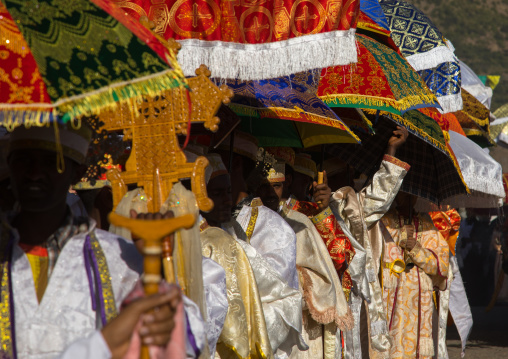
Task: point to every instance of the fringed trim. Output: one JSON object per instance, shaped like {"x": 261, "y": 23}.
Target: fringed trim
{"x": 480, "y": 122}
{"x": 296, "y": 114}
{"x": 431, "y": 59}
{"x": 344, "y": 322}
{"x": 269, "y": 60}
{"x": 450, "y": 103}
{"x": 412, "y": 128}
{"x": 475, "y": 200}
{"x": 457, "y": 167}
{"x": 91, "y": 102}
{"x": 382, "y": 103}
{"x": 489, "y": 186}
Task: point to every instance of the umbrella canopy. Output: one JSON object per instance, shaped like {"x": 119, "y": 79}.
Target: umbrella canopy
{"x": 74, "y": 58}
{"x": 434, "y": 175}
{"x": 418, "y": 39}
{"x": 475, "y": 120}
{"x": 425, "y": 48}
{"x": 256, "y": 39}
{"x": 373, "y": 10}
{"x": 483, "y": 175}
{"x": 381, "y": 80}
{"x": 472, "y": 83}
{"x": 268, "y": 103}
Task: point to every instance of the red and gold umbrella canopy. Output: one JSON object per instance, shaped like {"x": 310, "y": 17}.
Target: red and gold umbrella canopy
{"x": 254, "y": 40}
{"x": 381, "y": 80}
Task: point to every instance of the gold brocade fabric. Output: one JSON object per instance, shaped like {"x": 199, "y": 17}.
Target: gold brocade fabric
{"x": 408, "y": 296}
{"x": 244, "y": 334}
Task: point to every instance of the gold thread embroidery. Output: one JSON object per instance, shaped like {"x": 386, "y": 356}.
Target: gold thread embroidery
{"x": 105, "y": 277}
{"x": 252, "y": 222}
{"x": 5, "y": 310}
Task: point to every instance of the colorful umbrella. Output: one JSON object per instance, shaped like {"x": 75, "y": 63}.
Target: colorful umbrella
{"x": 381, "y": 80}
{"x": 267, "y": 104}
{"x": 373, "y": 10}
{"x": 252, "y": 40}
{"x": 482, "y": 174}
{"x": 418, "y": 39}
{"x": 75, "y": 58}
{"x": 475, "y": 120}
{"x": 472, "y": 83}
{"x": 425, "y": 48}
{"x": 434, "y": 174}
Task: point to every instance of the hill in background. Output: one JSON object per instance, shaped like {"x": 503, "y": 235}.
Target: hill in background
{"x": 478, "y": 30}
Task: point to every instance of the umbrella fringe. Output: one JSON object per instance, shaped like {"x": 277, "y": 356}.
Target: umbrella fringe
{"x": 414, "y": 129}
{"x": 91, "y": 103}
{"x": 450, "y": 103}
{"x": 379, "y": 102}
{"x": 296, "y": 114}
{"x": 269, "y": 60}
{"x": 457, "y": 167}
{"x": 431, "y": 58}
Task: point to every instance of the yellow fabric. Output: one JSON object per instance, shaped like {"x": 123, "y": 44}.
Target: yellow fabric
{"x": 409, "y": 296}
{"x": 40, "y": 273}
{"x": 244, "y": 334}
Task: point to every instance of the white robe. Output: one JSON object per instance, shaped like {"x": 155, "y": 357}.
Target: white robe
{"x": 64, "y": 325}
{"x": 274, "y": 239}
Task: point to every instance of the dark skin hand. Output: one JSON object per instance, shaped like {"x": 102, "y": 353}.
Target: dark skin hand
{"x": 411, "y": 239}
{"x": 156, "y": 327}
{"x": 322, "y": 193}
{"x": 398, "y": 139}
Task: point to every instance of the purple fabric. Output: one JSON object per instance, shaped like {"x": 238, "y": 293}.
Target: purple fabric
{"x": 86, "y": 251}
{"x": 190, "y": 337}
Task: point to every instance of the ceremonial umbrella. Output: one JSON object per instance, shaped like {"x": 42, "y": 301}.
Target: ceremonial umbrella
{"x": 286, "y": 112}
{"x": 253, "y": 40}
{"x": 424, "y": 47}
{"x": 66, "y": 59}
{"x": 434, "y": 173}
{"x": 382, "y": 80}
{"x": 475, "y": 120}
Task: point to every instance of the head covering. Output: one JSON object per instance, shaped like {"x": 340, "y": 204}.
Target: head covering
{"x": 244, "y": 144}
{"x": 277, "y": 173}
{"x": 74, "y": 142}
{"x": 275, "y": 170}
{"x": 283, "y": 154}
{"x": 305, "y": 165}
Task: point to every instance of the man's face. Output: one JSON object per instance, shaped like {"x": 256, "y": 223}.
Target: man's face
{"x": 219, "y": 191}
{"x": 271, "y": 194}
{"x": 35, "y": 180}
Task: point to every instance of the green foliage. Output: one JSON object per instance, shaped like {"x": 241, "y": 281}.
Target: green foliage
{"x": 479, "y": 31}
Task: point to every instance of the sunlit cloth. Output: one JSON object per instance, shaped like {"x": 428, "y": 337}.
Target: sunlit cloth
{"x": 445, "y": 82}
{"x": 392, "y": 84}
{"x": 483, "y": 176}
{"x": 472, "y": 83}
{"x": 375, "y": 12}
{"x": 252, "y": 40}
{"x": 86, "y": 57}
{"x": 291, "y": 98}
{"x": 418, "y": 39}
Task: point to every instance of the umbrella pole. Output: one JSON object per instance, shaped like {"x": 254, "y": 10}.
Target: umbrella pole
{"x": 231, "y": 147}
